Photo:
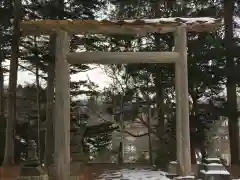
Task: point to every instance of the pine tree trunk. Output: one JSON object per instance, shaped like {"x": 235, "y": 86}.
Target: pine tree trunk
{"x": 121, "y": 145}
{"x": 38, "y": 110}
{"x": 193, "y": 154}
{"x": 158, "y": 75}
{"x": 192, "y": 119}
{"x": 150, "y": 149}
{"x": 11, "y": 119}
{"x": 49, "y": 145}
{"x": 231, "y": 83}
{"x": 160, "y": 103}
{"x": 2, "y": 98}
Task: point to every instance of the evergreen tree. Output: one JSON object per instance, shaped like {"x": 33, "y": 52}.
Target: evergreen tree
{"x": 11, "y": 113}
{"x": 5, "y": 43}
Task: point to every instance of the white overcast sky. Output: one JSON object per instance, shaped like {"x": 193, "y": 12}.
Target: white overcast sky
{"x": 96, "y": 75}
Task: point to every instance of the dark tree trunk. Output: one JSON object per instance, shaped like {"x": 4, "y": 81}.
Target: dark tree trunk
{"x": 120, "y": 155}
{"x": 150, "y": 149}
{"x": 11, "y": 118}
{"x": 193, "y": 154}
{"x": 158, "y": 76}
{"x": 231, "y": 83}
{"x": 2, "y": 97}
{"x": 194, "y": 135}
{"x": 38, "y": 110}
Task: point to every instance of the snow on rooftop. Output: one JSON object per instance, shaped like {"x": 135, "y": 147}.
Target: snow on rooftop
{"x": 187, "y": 177}
{"x": 212, "y": 159}
{"x": 221, "y": 172}
{"x": 213, "y": 164}
{"x": 217, "y": 100}
{"x": 173, "y": 162}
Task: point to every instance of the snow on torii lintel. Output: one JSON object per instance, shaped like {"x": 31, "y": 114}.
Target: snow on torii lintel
{"x": 134, "y": 26}
{"x": 198, "y": 20}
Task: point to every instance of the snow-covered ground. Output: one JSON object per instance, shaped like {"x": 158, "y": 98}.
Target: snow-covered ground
{"x": 135, "y": 174}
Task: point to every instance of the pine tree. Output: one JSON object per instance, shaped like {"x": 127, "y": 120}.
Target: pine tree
{"x": 11, "y": 120}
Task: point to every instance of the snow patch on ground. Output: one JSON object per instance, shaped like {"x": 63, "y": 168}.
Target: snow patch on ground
{"x": 135, "y": 174}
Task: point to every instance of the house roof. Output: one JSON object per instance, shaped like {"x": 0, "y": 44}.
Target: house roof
{"x": 139, "y": 26}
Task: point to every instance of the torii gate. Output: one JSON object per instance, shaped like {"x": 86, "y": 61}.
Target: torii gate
{"x": 64, "y": 28}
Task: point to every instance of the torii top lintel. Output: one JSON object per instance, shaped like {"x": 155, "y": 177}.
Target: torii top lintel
{"x": 139, "y": 27}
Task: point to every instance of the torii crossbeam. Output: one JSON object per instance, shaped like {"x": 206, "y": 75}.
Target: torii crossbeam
{"x": 64, "y": 28}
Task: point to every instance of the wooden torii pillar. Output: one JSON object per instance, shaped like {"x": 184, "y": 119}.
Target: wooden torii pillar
{"x": 62, "y": 108}
{"x": 182, "y": 103}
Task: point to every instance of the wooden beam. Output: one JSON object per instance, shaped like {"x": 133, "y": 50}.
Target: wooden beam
{"x": 62, "y": 108}
{"x": 121, "y": 57}
{"x": 182, "y": 98}
{"x": 135, "y": 26}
